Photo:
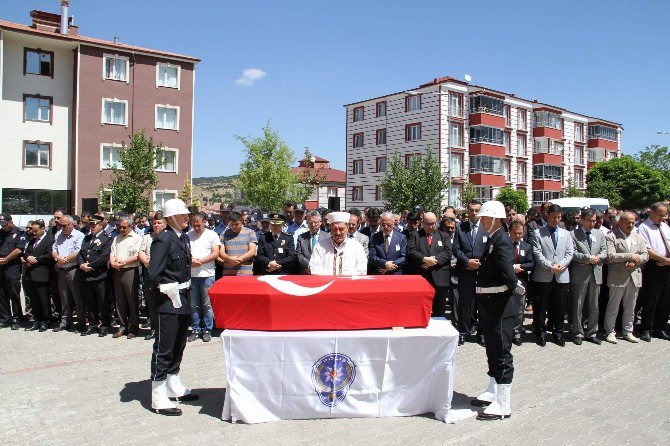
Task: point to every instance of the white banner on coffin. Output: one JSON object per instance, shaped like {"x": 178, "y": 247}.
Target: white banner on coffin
{"x": 378, "y": 373}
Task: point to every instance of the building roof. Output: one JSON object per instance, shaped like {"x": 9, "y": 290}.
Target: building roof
{"x": 326, "y": 175}
{"x": 10, "y": 26}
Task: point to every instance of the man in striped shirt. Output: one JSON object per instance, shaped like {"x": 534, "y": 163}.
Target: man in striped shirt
{"x": 238, "y": 247}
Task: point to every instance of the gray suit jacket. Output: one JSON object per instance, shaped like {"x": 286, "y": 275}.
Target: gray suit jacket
{"x": 617, "y": 256}
{"x": 581, "y": 267}
{"x": 304, "y": 249}
{"x": 363, "y": 240}
{"x": 546, "y": 255}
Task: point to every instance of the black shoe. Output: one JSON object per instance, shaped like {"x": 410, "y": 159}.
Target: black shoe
{"x": 206, "y": 336}
{"x": 91, "y": 330}
{"x": 80, "y": 329}
{"x": 593, "y": 340}
{"x": 662, "y": 334}
{"x": 150, "y": 336}
{"x": 15, "y": 325}
{"x": 193, "y": 336}
{"x": 35, "y": 326}
{"x": 187, "y": 397}
{"x": 541, "y": 341}
{"x": 517, "y": 341}
{"x": 171, "y": 412}
{"x": 559, "y": 341}
{"x": 102, "y": 332}
{"x": 59, "y": 328}
{"x": 44, "y": 327}
{"x": 646, "y": 336}
{"x": 486, "y": 417}
{"x": 4, "y": 324}
{"x": 147, "y": 324}
{"x": 479, "y": 403}
{"x": 577, "y": 341}
{"x": 461, "y": 339}
{"x": 481, "y": 341}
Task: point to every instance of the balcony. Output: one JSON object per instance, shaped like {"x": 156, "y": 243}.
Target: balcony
{"x": 548, "y": 125}
{"x": 487, "y": 110}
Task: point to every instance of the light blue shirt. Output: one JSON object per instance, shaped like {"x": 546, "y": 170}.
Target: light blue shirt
{"x": 66, "y": 245}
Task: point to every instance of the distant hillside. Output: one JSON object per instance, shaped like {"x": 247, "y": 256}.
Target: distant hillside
{"x": 214, "y": 189}
{"x": 202, "y": 181}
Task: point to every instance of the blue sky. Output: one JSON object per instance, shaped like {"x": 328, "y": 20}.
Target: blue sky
{"x": 609, "y": 59}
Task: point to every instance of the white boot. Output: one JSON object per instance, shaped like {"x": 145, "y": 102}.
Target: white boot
{"x": 176, "y": 390}
{"x": 501, "y": 407}
{"x": 490, "y": 393}
{"x": 159, "y": 398}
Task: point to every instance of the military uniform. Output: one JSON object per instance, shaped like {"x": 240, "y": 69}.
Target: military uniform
{"x": 95, "y": 251}
{"x": 10, "y": 277}
{"x": 281, "y": 249}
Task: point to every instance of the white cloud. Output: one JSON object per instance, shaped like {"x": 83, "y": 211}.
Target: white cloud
{"x": 250, "y": 75}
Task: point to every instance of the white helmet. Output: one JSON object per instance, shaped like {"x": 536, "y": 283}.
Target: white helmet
{"x": 174, "y": 206}
{"x": 493, "y": 209}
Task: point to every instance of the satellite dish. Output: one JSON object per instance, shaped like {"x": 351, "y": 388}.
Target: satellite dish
{"x": 468, "y": 78}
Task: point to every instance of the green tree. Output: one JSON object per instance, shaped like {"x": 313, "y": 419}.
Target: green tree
{"x": 420, "y": 183}
{"x": 186, "y": 192}
{"x": 513, "y": 197}
{"x": 308, "y": 178}
{"x": 657, "y": 157}
{"x": 468, "y": 194}
{"x": 571, "y": 190}
{"x": 132, "y": 185}
{"x": 627, "y": 183}
{"x": 265, "y": 176}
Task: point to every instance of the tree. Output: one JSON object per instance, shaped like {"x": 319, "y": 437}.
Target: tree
{"x": 468, "y": 194}
{"x": 308, "y": 178}
{"x": 186, "y": 193}
{"x": 513, "y": 197}
{"x": 627, "y": 183}
{"x": 420, "y": 183}
{"x": 265, "y": 176}
{"x": 656, "y": 157}
{"x": 132, "y": 185}
{"x": 571, "y": 190}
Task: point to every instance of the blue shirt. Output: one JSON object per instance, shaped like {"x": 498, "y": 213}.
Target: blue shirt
{"x": 66, "y": 245}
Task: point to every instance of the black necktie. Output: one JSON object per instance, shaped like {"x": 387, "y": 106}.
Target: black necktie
{"x": 588, "y": 239}
{"x": 554, "y": 234}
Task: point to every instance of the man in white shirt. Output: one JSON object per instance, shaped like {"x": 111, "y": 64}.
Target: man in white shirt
{"x": 338, "y": 255}
{"x": 205, "y": 245}
{"x": 124, "y": 259}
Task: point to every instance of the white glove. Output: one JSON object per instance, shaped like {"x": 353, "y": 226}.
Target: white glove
{"x": 519, "y": 290}
{"x": 171, "y": 290}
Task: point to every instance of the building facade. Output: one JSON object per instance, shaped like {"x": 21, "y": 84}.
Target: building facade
{"x": 482, "y": 136}
{"x": 331, "y": 183}
{"x": 68, "y": 102}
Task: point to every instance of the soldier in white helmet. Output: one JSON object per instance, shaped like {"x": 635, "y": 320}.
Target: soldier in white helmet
{"x": 338, "y": 255}
{"x": 496, "y": 284}
{"x": 170, "y": 273}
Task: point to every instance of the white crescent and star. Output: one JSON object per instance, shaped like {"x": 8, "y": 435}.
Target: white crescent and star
{"x": 293, "y": 289}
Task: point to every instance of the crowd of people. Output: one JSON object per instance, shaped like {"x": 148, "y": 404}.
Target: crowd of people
{"x": 597, "y": 272}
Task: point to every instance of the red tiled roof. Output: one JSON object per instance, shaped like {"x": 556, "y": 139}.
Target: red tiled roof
{"x": 83, "y": 39}
{"x": 327, "y": 175}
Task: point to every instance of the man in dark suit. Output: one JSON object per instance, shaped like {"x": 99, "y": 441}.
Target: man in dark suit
{"x": 170, "y": 272}
{"x": 93, "y": 259}
{"x": 372, "y": 215}
{"x": 471, "y": 244}
{"x": 308, "y": 240}
{"x": 36, "y": 281}
{"x": 388, "y": 248}
{"x": 276, "y": 251}
{"x": 430, "y": 251}
{"x": 524, "y": 264}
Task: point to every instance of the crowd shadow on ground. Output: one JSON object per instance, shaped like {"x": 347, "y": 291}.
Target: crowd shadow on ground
{"x": 210, "y": 401}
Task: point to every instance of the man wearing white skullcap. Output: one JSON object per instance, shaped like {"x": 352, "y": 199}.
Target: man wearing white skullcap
{"x": 338, "y": 255}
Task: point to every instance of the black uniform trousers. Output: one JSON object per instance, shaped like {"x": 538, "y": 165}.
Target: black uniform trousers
{"x": 10, "y": 293}
{"x": 466, "y": 300}
{"x": 656, "y": 296}
{"x": 169, "y": 345}
{"x": 97, "y": 302}
{"x": 550, "y": 296}
{"x": 39, "y": 295}
{"x": 150, "y": 298}
{"x": 497, "y": 313}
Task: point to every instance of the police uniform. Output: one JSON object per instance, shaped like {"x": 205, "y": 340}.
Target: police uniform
{"x": 279, "y": 248}
{"x": 10, "y": 274}
{"x": 95, "y": 250}
{"x": 170, "y": 265}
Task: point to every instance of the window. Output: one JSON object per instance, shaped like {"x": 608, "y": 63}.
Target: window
{"x": 455, "y": 196}
{"x": 549, "y": 119}
{"x": 37, "y": 108}
{"x": 357, "y": 193}
{"x": 110, "y": 157}
{"x": 359, "y": 114}
{"x": 332, "y": 191}
{"x": 412, "y": 132}
{"x": 36, "y": 154}
{"x": 579, "y": 132}
{"x": 579, "y": 178}
{"x": 483, "y": 134}
{"x": 456, "y": 105}
{"x": 521, "y": 145}
{"x": 380, "y": 109}
{"x": 413, "y": 103}
{"x": 596, "y": 155}
{"x": 546, "y": 145}
{"x": 115, "y": 68}
{"x": 34, "y": 201}
{"x": 522, "y": 119}
{"x": 521, "y": 172}
{"x": 540, "y": 196}
{"x": 486, "y": 104}
{"x": 486, "y": 164}
{"x": 412, "y": 159}
{"x": 579, "y": 155}
{"x": 168, "y": 75}
{"x": 38, "y": 62}
{"x": 506, "y": 143}
{"x": 161, "y": 196}
{"x": 456, "y": 135}
{"x": 167, "y": 117}
{"x": 558, "y": 147}
{"x": 602, "y": 132}
{"x": 381, "y": 164}
{"x": 507, "y": 170}
{"x": 507, "y": 111}
{"x": 357, "y": 167}
{"x": 381, "y": 136}
{"x": 483, "y": 193}
{"x": 456, "y": 165}
{"x": 547, "y": 172}
{"x": 379, "y": 195}
{"x": 168, "y": 160}
{"x": 358, "y": 140}
{"x": 114, "y": 111}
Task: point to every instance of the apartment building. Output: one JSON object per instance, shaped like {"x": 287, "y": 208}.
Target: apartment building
{"x": 330, "y": 183}
{"x": 483, "y": 136}
{"x": 68, "y": 102}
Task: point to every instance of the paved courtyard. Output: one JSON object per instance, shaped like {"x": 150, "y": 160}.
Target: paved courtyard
{"x": 60, "y": 388}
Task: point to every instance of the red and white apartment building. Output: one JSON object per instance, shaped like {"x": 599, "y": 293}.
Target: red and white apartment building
{"x": 480, "y": 135}
{"x": 68, "y": 102}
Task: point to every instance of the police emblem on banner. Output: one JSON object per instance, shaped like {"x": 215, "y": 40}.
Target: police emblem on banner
{"x": 332, "y": 376}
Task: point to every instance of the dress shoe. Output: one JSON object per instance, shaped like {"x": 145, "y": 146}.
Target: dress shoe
{"x": 479, "y": 403}
{"x": 80, "y": 329}
{"x": 611, "y": 338}
{"x": 150, "y": 336}
{"x": 118, "y": 334}
{"x": 461, "y": 339}
{"x": 187, "y": 397}
{"x": 541, "y": 341}
{"x": 131, "y": 336}
{"x": 577, "y": 341}
{"x": 206, "y": 336}
{"x": 646, "y": 336}
{"x": 193, "y": 336}
{"x": 44, "y": 327}
{"x": 60, "y": 328}
{"x": 147, "y": 324}
{"x": 487, "y": 417}
{"x": 559, "y": 341}
{"x": 481, "y": 341}
{"x": 4, "y": 324}
{"x": 102, "y": 332}
{"x": 660, "y": 334}
{"x": 15, "y": 325}
{"x": 91, "y": 330}
{"x": 35, "y": 326}
{"x": 630, "y": 338}
{"x": 517, "y": 341}
{"x": 172, "y": 411}
{"x": 593, "y": 340}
